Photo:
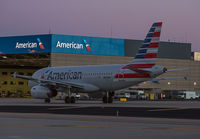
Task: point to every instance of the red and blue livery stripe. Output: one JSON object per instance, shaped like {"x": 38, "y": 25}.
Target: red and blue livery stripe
{"x": 133, "y": 75}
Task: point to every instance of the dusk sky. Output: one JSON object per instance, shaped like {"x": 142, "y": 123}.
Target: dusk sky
{"x": 127, "y": 19}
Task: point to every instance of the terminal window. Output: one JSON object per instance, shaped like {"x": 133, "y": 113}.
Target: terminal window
{"x": 12, "y": 83}
{"x": 4, "y": 83}
{"x": 21, "y": 83}
{"x": 4, "y": 73}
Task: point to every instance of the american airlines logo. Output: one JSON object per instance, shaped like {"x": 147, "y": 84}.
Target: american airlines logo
{"x": 73, "y": 45}
{"x": 29, "y": 45}
{"x": 26, "y": 45}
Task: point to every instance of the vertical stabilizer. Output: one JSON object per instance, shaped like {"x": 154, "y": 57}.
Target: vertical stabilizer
{"x": 147, "y": 53}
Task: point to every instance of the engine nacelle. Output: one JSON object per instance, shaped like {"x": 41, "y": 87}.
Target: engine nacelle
{"x": 42, "y": 92}
{"x": 158, "y": 70}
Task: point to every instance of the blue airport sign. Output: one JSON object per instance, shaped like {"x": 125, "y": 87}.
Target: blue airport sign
{"x": 62, "y": 44}
{"x": 87, "y": 45}
{"x": 25, "y": 44}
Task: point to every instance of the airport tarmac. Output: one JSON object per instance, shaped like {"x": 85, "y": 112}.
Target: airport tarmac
{"x": 31, "y": 118}
{"x": 54, "y": 102}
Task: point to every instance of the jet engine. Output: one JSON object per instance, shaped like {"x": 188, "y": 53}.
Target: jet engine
{"x": 43, "y": 92}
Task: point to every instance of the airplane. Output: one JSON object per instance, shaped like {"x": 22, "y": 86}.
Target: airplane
{"x": 46, "y": 82}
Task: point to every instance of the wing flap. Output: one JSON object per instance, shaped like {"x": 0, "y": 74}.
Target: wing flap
{"x": 49, "y": 82}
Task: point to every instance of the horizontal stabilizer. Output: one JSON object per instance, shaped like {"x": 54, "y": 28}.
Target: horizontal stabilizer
{"x": 157, "y": 80}
{"x": 178, "y": 69}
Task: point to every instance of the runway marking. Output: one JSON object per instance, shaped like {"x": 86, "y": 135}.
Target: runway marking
{"x": 22, "y": 125}
{"x": 169, "y": 109}
{"x": 126, "y": 127}
{"x": 103, "y": 127}
{"x": 67, "y": 108}
{"x": 187, "y": 129}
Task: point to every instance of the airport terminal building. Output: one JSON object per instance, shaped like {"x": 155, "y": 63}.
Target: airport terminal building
{"x": 26, "y": 54}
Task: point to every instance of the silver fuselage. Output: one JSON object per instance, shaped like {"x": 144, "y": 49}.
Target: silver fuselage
{"x": 103, "y": 77}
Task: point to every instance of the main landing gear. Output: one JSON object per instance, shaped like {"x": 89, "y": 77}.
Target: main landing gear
{"x": 69, "y": 98}
{"x": 108, "y": 97}
{"x": 47, "y": 100}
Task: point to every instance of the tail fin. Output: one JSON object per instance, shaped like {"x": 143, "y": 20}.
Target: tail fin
{"x": 147, "y": 53}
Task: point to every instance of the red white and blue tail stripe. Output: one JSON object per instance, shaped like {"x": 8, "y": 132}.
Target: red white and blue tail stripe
{"x": 147, "y": 53}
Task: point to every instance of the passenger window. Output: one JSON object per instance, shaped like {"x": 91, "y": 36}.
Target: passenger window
{"x": 12, "y": 83}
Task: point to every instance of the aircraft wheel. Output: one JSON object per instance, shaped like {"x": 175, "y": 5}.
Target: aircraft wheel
{"x": 105, "y": 99}
{"x": 67, "y": 99}
{"x": 47, "y": 100}
{"x": 73, "y": 100}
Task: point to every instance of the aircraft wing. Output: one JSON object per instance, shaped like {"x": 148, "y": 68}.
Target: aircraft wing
{"x": 21, "y": 76}
{"x": 49, "y": 83}
{"x": 178, "y": 69}
{"x": 157, "y": 80}
{"x": 58, "y": 83}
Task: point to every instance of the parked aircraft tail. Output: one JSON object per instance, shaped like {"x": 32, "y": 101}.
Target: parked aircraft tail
{"x": 147, "y": 53}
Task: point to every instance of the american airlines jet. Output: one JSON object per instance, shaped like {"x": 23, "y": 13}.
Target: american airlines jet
{"x": 46, "y": 82}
